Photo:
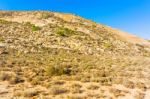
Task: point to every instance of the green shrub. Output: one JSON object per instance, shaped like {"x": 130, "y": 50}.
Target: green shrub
{"x": 1, "y": 39}
{"x": 3, "y": 22}
{"x": 35, "y": 28}
{"x": 108, "y": 45}
{"x": 65, "y": 32}
{"x": 58, "y": 70}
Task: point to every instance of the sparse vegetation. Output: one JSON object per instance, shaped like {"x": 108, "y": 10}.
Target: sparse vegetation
{"x": 68, "y": 60}
{"x": 57, "y": 70}
{"x": 57, "y": 90}
{"x": 65, "y": 32}
{"x": 3, "y": 21}
{"x": 15, "y": 80}
{"x": 6, "y": 14}
{"x": 35, "y": 28}
{"x": 93, "y": 87}
{"x": 1, "y": 39}
{"x": 30, "y": 93}
{"x": 4, "y": 76}
{"x": 46, "y": 15}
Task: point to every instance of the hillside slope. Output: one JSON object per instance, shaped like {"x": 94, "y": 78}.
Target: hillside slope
{"x": 62, "y": 56}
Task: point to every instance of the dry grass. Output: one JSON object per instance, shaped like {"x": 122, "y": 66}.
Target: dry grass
{"x": 57, "y": 90}
{"x": 71, "y": 57}
{"x": 30, "y": 93}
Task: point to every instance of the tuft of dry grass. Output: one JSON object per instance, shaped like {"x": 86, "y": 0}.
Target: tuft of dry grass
{"x": 76, "y": 88}
{"x": 57, "y": 90}
{"x": 93, "y": 87}
{"x": 30, "y": 92}
{"x": 5, "y": 76}
{"x": 129, "y": 84}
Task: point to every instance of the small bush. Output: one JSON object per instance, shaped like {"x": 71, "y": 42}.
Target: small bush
{"x": 57, "y": 90}
{"x": 76, "y": 88}
{"x": 3, "y": 22}
{"x": 6, "y": 14}
{"x": 1, "y": 39}
{"x": 11, "y": 78}
{"x": 35, "y": 28}
{"x": 16, "y": 79}
{"x": 93, "y": 87}
{"x": 30, "y": 93}
{"x": 65, "y": 32}
{"x": 108, "y": 45}
{"x": 4, "y": 76}
{"x": 46, "y": 15}
{"x": 58, "y": 70}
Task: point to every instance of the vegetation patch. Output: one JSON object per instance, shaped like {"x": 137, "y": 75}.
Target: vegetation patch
{"x": 57, "y": 70}
{"x": 3, "y": 21}
{"x": 1, "y": 39}
{"x": 47, "y": 15}
{"x": 57, "y": 90}
{"x": 30, "y": 93}
{"x": 33, "y": 27}
{"x": 65, "y": 32}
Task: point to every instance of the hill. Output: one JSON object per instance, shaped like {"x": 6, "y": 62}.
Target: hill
{"x": 62, "y": 56}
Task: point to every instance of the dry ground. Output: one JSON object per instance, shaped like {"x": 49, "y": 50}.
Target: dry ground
{"x": 47, "y": 55}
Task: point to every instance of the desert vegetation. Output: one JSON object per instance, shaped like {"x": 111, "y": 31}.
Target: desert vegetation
{"x": 69, "y": 58}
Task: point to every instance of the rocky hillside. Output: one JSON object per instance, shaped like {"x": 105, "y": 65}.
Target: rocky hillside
{"x": 55, "y": 55}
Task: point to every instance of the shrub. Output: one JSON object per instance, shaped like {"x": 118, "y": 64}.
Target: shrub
{"x": 1, "y": 39}
{"x": 5, "y": 14}
{"x": 3, "y": 22}
{"x": 58, "y": 70}
{"x": 64, "y": 32}
{"x": 46, "y": 15}
{"x": 35, "y": 28}
{"x": 16, "y": 79}
{"x": 93, "y": 87}
{"x": 57, "y": 90}
{"x": 11, "y": 78}
{"x": 108, "y": 45}
{"x": 30, "y": 93}
{"x": 4, "y": 76}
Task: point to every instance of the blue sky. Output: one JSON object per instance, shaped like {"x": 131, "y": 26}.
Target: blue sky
{"x": 132, "y": 16}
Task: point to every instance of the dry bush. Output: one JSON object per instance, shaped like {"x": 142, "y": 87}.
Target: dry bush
{"x": 93, "y": 87}
{"x": 57, "y": 70}
{"x": 76, "y": 88}
{"x": 129, "y": 84}
{"x": 65, "y": 32}
{"x": 5, "y": 76}
{"x": 57, "y": 90}
{"x": 16, "y": 79}
{"x": 11, "y": 78}
{"x": 117, "y": 92}
{"x": 46, "y": 15}
{"x": 141, "y": 86}
{"x": 30, "y": 92}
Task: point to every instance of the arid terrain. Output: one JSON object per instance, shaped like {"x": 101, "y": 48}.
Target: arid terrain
{"x": 49, "y": 55}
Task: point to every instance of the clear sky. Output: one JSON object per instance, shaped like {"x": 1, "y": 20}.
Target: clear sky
{"x": 132, "y": 16}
